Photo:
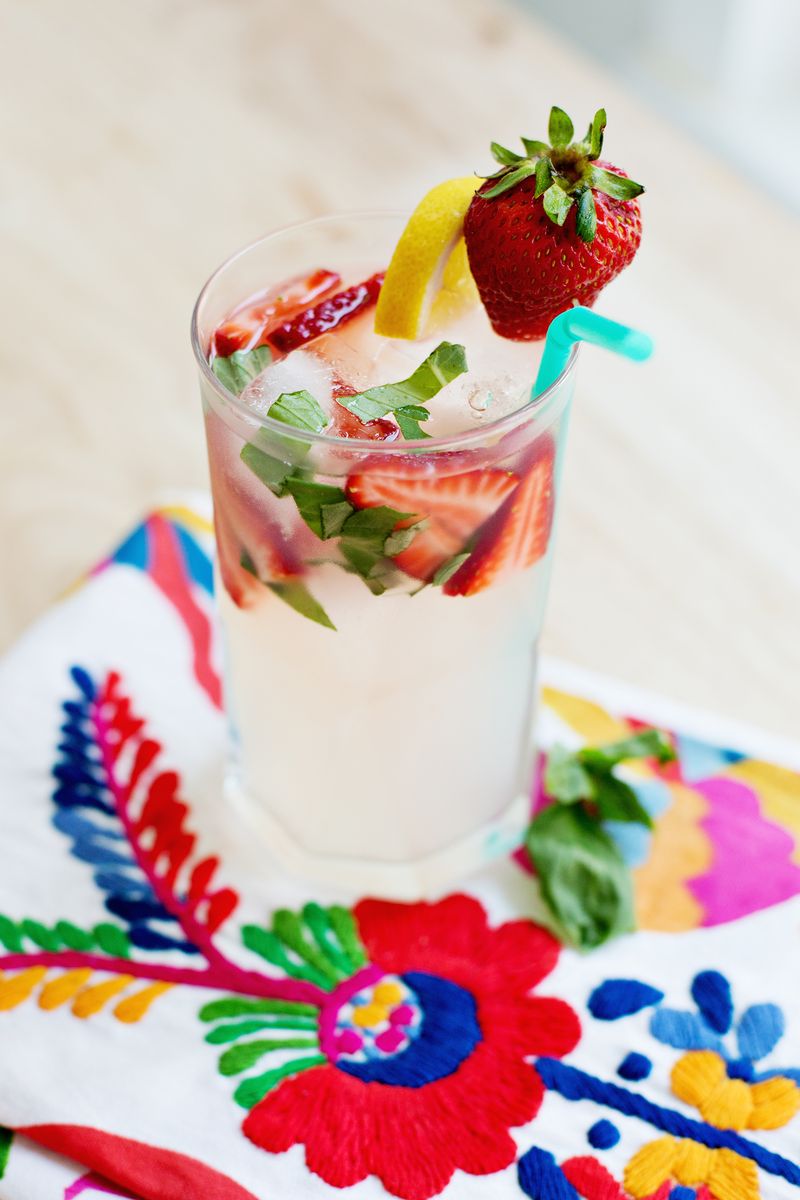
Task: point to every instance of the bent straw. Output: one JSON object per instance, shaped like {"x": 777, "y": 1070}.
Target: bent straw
{"x": 580, "y": 324}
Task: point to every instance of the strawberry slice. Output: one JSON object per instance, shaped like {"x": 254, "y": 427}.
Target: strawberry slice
{"x": 517, "y": 535}
{"x": 455, "y": 506}
{"x": 248, "y": 326}
{"x": 345, "y": 424}
{"x": 327, "y": 315}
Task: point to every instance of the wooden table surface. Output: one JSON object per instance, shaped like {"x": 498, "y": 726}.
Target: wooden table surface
{"x": 143, "y": 142}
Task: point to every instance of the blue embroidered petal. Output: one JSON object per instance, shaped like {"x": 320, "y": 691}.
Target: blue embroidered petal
{"x": 621, "y": 997}
{"x": 702, "y": 760}
{"x": 711, "y": 993}
{"x": 759, "y": 1030}
{"x": 684, "y": 1031}
{"x": 541, "y": 1178}
{"x": 84, "y": 682}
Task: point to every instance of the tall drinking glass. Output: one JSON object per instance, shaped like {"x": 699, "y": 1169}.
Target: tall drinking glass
{"x": 394, "y": 751}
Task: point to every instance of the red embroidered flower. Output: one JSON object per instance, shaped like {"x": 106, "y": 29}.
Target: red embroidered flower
{"x": 426, "y": 1051}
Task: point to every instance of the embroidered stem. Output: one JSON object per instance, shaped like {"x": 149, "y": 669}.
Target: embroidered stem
{"x": 224, "y": 978}
{"x": 195, "y": 932}
{"x": 574, "y": 1084}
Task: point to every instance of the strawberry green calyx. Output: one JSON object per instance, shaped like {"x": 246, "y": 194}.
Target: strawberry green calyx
{"x": 566, "y": 172}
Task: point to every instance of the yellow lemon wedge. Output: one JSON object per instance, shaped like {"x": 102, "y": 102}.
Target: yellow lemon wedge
{"x": 428, "y": 280}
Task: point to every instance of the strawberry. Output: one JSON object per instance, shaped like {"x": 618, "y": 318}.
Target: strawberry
{"x": 551, "y": 228}
{"x": 345, "y": 424}
{"x": 327, "y": 315}
{"x": 248, "y": 326}
{"x": 455, "y": 506}
{"x": 517, "y": 535}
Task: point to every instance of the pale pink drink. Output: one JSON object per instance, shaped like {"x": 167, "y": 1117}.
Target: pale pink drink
{"x": 395, "y": 750}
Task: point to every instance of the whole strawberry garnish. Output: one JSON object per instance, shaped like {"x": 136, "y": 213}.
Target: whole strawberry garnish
{"x": 550, "y": 229}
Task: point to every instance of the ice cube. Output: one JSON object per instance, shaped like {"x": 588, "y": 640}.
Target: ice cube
{"x": 301, "y": 370}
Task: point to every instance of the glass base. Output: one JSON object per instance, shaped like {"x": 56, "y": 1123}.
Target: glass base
{"x": 415, "y": 879}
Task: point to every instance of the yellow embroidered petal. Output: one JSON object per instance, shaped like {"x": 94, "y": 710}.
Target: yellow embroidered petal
{"x": 775, "y": 1102}
{"x": 589, "y": 720}
{"x": 388, "y": 993}
{"x": 732, "y": 1177}
{"x": 370, "y": 1014}
{"x": 778, "y": 792}
{"x": 63, "y": 988}
{"x": 697, "y": 1075}
{"x": 679, "y": 851}
{"x": 730, "y": 1106}
{"x": 650, "y": 1167}
{"x": 133, "y": 1008}
{"x": 693, "y": 1162}
{"x": 421, "y": 257}
{"x": 14, "y": 989}
{"x": 92, "y": 999}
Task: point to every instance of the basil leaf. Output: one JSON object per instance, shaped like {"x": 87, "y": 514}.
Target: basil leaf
{"x": 409, "y": 424}
{"x": 300, "y": 410}
{"x": 401, "y": 539}
{"x": 565, "y": 779}
{"x": 617, "y": 186}
{"x": 241, "y": 368}
{"x": 298, "y": 597}
{"x": 617, "y": 801}
{"x": 586, "y": 217}
{"x": 648, "y": 743}
{"x": 556, "y": 203}
{"x": 311, "y": 497}
{"x": 442, "y": 365}
{"x": 583, "y": 878}
{"x": 364, "y": 536}
{"x": 448, "y": 569}
{"x": 507, "y": 157}
{"x": 560, "y": 129}
{"x": 271, "y": 471}
{"x": 333, "y": 517}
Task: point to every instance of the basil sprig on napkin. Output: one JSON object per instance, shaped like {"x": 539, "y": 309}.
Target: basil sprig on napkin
{"x": 585, "y": 882}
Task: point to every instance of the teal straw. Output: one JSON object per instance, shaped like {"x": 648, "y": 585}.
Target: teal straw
{"x": 582, "y": 325}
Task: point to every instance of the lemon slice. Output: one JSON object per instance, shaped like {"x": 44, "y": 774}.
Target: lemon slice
{"x": 429, "y": 264}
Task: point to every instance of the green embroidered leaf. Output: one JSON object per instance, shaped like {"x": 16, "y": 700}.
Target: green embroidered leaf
{"x": 73, "y": 937}
{"x": 10, "y": 935}
{"x": 319, "y": 922}
{"x": 290, "y": 929}
{"x": 560, "y": 128}
{"x": 112, "y": 940}
{"x": 584, "y": 881}
{"x": 270, "y": 947}
{"x": 442, "y": 366}
{"x": 6, "y": 1138}
{"x": 241, "y": 1058}
{"x": 241, "y": 368}
{"x": 251, "y": 1091}
{"x": 240, "y": 1029}
{"x": 238, "y": 1006}
{"x": 46, "y": 939}
{"x": 298, "y": 597}
{"x": 344, "y": 926}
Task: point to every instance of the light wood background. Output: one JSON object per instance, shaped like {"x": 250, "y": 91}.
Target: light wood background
{"x": 142, "y": 142}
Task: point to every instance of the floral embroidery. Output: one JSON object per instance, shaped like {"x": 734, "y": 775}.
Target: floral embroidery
{"x": 700, "y": 1078}
{"x": 661, "y": 1168}
{"x": 441, "y": 1020}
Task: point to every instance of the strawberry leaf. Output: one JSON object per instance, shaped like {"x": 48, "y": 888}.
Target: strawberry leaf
{"x": 510, "y": 180}
{"x": 586, "y": 217}
{"x": 535, "y": 149}
{"x": 560, "y": 128}
{"x": 507, "y": 157}
{"x": 241, "y": 368}
{"x": 619, "y": 187}
{"x": 556, "y": 203}
{"x": 544, "y": 176}
{"x": 594, "y": 137}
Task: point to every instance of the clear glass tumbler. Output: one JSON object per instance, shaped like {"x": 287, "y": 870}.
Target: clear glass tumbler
{"x": 394, "y": 752}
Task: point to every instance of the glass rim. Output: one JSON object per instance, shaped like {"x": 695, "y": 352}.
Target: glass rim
{"x": 534, "y": 406}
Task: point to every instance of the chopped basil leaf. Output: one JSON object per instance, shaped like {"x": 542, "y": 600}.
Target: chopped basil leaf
{"x": 298, "y": 597}
{"x": 311, "y": 497}
{"x": 442, "y": 366}
{"x": 565, "y": 779}
{"x": 300, "y": 410}
{"x": 401, "y": 539}
{"x": 271, "y": 471}
{"x": 448, "y": 569}
{"x": 333, "y": 517}
{"x": 241, "y": 368}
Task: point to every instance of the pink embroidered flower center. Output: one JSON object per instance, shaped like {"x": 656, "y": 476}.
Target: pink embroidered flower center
{"x": 379, "y": 1020}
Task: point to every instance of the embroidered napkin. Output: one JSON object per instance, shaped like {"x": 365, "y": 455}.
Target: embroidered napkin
{"x": 179, "y": 1019}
